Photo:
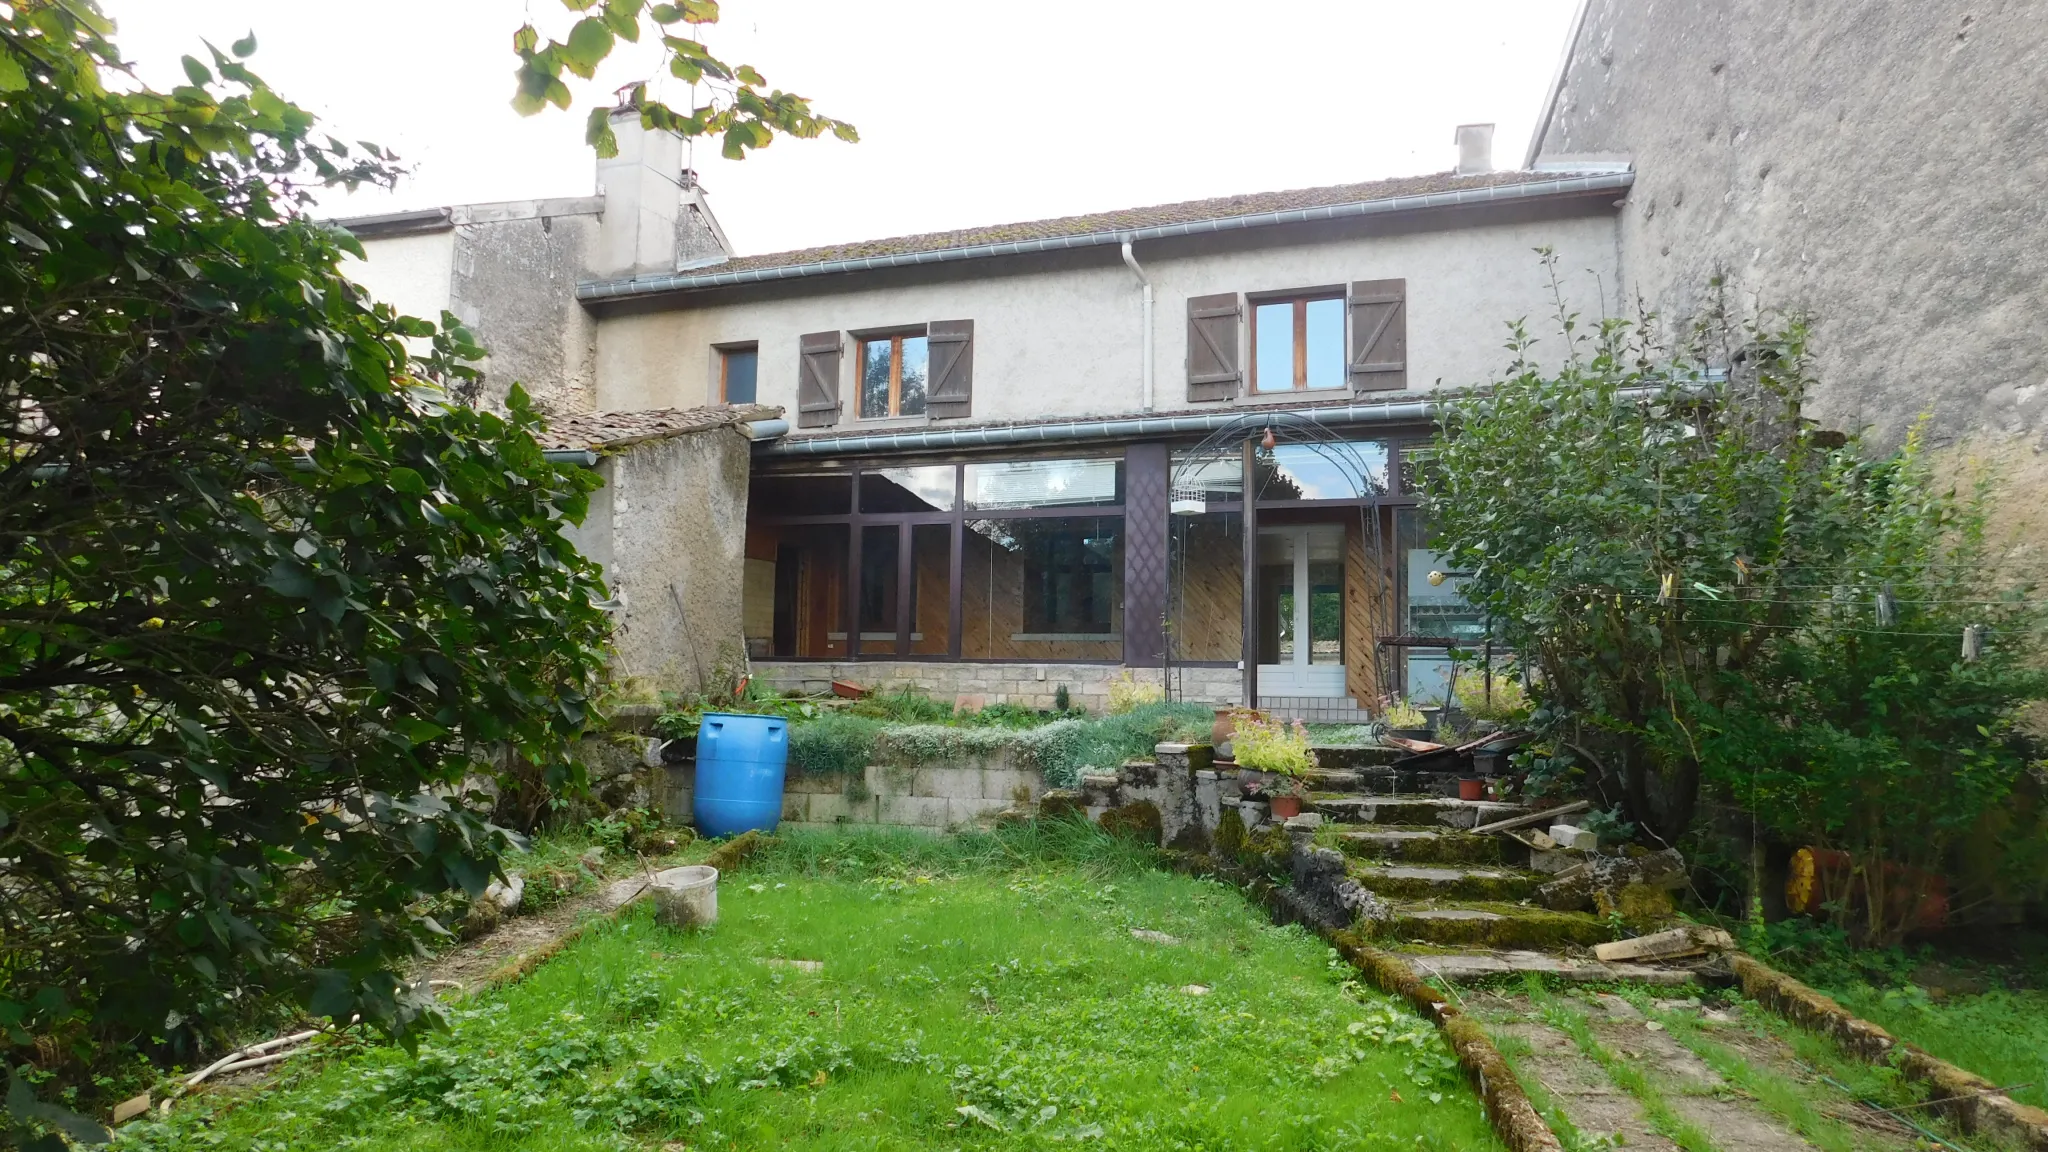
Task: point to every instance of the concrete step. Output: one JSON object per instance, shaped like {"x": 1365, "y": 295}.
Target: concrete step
{"x": 1426, "y": 846}
{"x": 1471, "y": 967}
{"x": 1342, "y": 756}
{"x": 1410, "y": 810}
{"x": 1495, "y": 925}
{"x": 1446, "y": 882}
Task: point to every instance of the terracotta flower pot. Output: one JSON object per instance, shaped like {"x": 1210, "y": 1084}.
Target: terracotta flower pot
{"x": 1286, "y": 807}
{"x": 1471, "y": 788}
{"x": 1224, "y": 728}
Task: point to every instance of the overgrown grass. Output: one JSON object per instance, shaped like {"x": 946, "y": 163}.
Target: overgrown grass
{"x": 982, "y": 992}
{"x": 2000, "y": 1035}
{"x": 1560, "y": 1015}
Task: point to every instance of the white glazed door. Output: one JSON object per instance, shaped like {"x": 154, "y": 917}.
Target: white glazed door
{"x": 1302, "y": 570}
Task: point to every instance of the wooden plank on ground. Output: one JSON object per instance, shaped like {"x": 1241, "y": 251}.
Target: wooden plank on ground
{"x": 1688, "y": 941}
{"x": 1529, "y": 818}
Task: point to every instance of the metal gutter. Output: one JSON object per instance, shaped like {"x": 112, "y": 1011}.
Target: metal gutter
{"x": 1134, "y": 427}
{"x": 1084, "y": 431}
{"x": 581, "y": 457}
{"x": 591, "y": 291}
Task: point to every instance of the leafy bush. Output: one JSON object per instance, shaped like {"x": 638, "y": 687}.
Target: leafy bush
{"x": 1715, "y": 592}
{"x": 906, "y": 705}
{"x": 1126, "y": 693}
{"x": 1007, "y": 716}
{"x": 838, "y": 743}
{"x": 1402, "y": 714}
{"x": 1272, "y": 746}
{"x": 267, "y": 601}
{"x": 1502, "y": 702}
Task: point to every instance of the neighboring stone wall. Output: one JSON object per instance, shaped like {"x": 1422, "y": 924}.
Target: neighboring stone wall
{"x": 1028, "y": 685}
{"x": 933, "y": 798}
{"x": 1878, "y": 165}
{"x": 514, "y": 284}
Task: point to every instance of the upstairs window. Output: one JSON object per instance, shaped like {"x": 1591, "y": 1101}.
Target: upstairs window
{"x": 1298, "y": 342}
{"x": 738, "y": 370}
{"x": 893, "y": 373}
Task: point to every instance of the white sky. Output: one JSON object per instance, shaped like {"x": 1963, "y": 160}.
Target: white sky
{"x": 970, "y": 111}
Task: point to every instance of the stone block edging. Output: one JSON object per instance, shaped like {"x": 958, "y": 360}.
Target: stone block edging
{"x": 1968, "y": 1099}
{"x": 1508, "y": 1109}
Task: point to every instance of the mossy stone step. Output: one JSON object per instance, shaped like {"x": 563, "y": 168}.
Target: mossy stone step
{"x": 1411, "y": 810}
{"x": 1445, "y": 882}
{"x": 1495, "y": 925}
{"x": 1336, "y": 756}
{"x": 1424, "y": 845}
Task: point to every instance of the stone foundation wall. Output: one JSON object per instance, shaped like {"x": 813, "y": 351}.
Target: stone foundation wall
{"x": 933, "y": 798}
{"x": 1026, "y": 685}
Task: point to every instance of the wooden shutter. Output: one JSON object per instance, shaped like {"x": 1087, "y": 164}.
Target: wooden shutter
{"x": 1213, "y": 369}
{"x": 1379, "y": 335}
{"x": 951, "y": 393}
{"x": 817, "y": 381}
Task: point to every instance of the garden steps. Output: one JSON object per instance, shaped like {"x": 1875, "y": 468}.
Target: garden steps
{"x": 1424, "y": 845}
{"x": 1410, "y": 810}
{"x": 1494, "y": 925}
{"x": 1473, "y": 967}
{"x": 1354, "y": 757}
{"x": 1411, "y": 881}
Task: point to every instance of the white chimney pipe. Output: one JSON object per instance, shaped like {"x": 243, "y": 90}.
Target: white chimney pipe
{"x": 642, "y": 188}
{"x": 1475, "y": 149}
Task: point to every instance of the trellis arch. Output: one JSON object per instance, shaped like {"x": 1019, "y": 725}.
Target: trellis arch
{"x": 1225, "y": 444}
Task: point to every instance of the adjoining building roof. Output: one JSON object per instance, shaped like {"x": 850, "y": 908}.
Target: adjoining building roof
{"x": 619, "y": 429}
{"x": 1132, "y": 219}
{"x": 1225, "y": 213}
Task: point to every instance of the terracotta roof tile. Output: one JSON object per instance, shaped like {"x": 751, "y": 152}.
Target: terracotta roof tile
{"x": 1124, "y": 219}
{"x": 618, "y": 429}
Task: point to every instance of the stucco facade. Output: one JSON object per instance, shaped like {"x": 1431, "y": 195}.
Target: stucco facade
{"x": 1062, "y": 335}
{"x": 1878, "y": 165}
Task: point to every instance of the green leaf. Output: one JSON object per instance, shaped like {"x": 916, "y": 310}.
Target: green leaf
{"x": 196, "y": 72}
{"x": 12, "y": 77}
{"x": 27, "y": 237}
{"x": 245, "y": 47}
{"x": 333, "y": 995}
{"x": 525, "y": 40}
{"x": 590, "y": 41}
{"x": 406, "y": 480}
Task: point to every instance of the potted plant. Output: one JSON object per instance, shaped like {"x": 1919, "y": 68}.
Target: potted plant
{"x": 1406, "y": 721}
{"x": 1280, "y": 750}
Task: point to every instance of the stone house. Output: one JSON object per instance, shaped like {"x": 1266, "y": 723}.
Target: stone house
{"x": 1179, "y": 441}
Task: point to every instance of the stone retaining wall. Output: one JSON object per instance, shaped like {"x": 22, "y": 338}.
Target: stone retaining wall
{"x": 1027, "y": 685}
{"x": 933, "y": 798}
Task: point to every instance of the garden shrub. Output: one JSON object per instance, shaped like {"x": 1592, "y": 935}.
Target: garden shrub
{"x": 268, "y": 599}
{"x": 1715, "y": 593}
{"x": 906, "y": 705}
{"x": 836, "y": 743}
{"x": 1272, "y": 746}
{"x": 1127, "y": 694}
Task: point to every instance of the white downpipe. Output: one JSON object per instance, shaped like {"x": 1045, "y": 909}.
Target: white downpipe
{"x": 1146, "y": 346}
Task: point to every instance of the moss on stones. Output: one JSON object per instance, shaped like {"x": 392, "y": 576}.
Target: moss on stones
{"x": 1229, "y": 833}
{"x": 1508, "y": 926}
{"x": 729, "y": 856}
{"x": 1139, "y": 821}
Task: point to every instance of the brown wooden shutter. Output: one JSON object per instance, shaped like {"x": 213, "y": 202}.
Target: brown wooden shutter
{"x": 817, "y": 380}
{"x": 1379, "y": 335}
{"x": 951, "y": 394}
{"x": 1213, "y": 370}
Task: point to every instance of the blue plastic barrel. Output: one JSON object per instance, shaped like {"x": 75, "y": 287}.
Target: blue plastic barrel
{"x": 740, "y": 761}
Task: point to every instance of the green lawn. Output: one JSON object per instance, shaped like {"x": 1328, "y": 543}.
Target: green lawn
{"x": 982, "y": 992}
{"x": 2000, "y": 1035}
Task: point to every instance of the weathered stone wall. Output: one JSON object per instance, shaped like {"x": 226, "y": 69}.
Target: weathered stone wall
{"x": 1027, "y": 685}
{"x": 933, "y": 798}
{"x": 514, "y": 285}
{"x": 669, "y": 527}
{"x": 1879, "y": 165}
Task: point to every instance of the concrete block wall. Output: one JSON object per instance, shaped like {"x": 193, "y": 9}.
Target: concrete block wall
{"x": 933, "y": 798}
{"x": 1026, "y": 685}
